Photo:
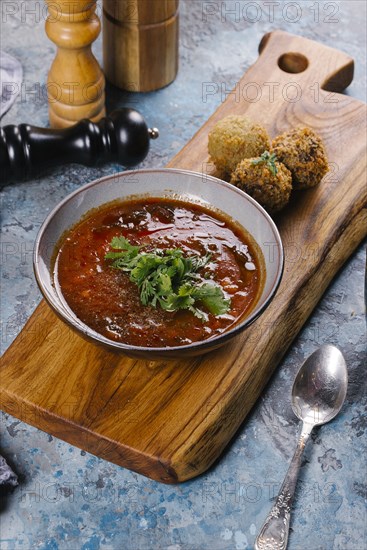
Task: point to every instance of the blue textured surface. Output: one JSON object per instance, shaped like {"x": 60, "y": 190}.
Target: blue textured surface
{"x": 68, "y": 499}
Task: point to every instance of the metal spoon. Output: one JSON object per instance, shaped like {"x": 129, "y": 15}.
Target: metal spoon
{"x": 318, "y": 394}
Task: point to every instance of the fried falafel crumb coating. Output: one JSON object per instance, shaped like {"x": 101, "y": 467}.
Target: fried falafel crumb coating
{"x": 272, "y": 191}
{"x": 234, "y": 138}
{"x": 302, "y": 151}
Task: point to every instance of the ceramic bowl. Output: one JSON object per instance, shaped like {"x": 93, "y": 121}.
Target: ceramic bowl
{"x": 178, "y": 184}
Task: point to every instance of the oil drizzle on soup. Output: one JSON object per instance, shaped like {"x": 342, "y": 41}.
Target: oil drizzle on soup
{"x": 108, "y": 302}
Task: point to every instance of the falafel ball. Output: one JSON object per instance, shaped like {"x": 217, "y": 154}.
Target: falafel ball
{"x": 302, "y": 151}
{"x": 265, "y": 179}
{"x": 234, "y": 138}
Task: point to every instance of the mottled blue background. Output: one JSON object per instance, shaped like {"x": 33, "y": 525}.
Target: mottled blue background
{"x": 68, "y": 499}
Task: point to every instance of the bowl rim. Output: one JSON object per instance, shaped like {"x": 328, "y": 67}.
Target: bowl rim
{"x": 216, "y": 341}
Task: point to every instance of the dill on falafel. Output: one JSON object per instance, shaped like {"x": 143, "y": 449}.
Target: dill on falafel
{"x": 265, "y": 179}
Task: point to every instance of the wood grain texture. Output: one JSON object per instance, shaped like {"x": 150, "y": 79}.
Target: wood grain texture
{"x": 170, "y": 421}
{"x": 140, "y": 43}
{"x": 75, "y": 83}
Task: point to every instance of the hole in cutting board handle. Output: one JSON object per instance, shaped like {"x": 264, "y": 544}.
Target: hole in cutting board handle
{"x": 293, "y": 62}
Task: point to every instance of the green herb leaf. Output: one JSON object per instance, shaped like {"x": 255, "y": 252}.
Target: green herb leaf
{"x": 121, "y": 243}
{"x": 180, "y": 300}
{"x": 145, "y": 265}
{"x": 269, "y": 160}
{"x": 169, "y": 279}
{"x": 212, "y": 297}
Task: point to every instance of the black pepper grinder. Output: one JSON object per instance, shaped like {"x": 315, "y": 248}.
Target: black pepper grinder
{"x": 27, "y": 151}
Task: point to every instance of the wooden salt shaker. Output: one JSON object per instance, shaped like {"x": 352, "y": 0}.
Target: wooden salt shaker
{"x": 75, "y": 82}
{"x": 140, "y": 43}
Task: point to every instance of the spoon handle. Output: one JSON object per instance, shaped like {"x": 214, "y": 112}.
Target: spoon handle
{"x": 274, "y": 533}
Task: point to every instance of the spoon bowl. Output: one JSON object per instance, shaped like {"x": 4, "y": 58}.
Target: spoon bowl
{"x": 320, "y": 386}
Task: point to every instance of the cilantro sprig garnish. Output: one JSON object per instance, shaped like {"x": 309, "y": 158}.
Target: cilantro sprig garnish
{"x": 168, "y": 279}
{"x": 269, "y": 159}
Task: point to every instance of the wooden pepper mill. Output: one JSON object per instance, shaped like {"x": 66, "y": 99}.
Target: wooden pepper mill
{"x": 75, "y": 82}
{"x": 140, "y": 43}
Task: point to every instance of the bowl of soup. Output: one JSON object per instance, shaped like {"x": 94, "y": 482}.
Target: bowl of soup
{"x": 158, "y": 263}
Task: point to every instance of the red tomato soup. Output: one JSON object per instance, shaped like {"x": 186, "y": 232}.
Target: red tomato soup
{"x": 107, "y": 301}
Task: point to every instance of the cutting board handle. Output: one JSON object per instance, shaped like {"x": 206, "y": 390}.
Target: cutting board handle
{"x": 307, "y": 62}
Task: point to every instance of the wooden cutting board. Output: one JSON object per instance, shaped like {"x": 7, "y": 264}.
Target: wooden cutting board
{"x": 171, "y": 420}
